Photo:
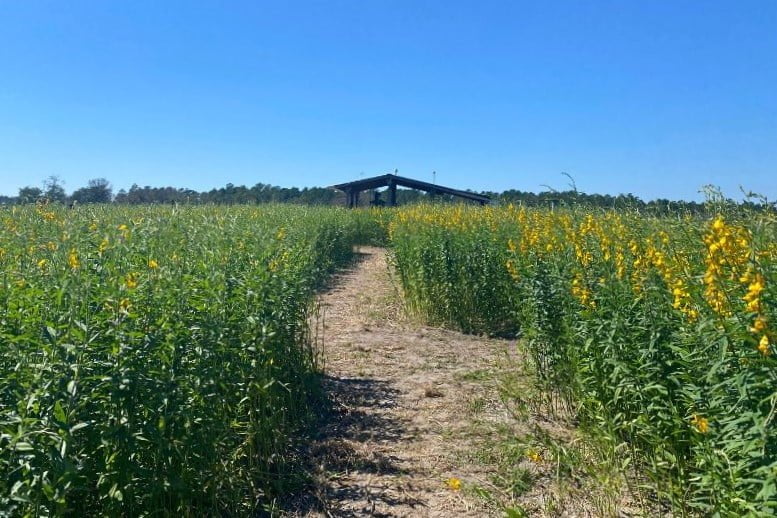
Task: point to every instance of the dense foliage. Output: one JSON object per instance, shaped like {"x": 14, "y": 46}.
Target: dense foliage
{"x": 155, "y": 360}
{"x": 660, "y": 332}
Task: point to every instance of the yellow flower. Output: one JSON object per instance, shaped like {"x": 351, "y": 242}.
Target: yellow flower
{"x": 153, "y": 264}
{"x": 759, "y": 324}
{"x": 72, "y": 260}
{"x": 511, "y": 268}
{"x": 453, "y": 483}
{"x": 763, "y": 345}
{"x": 123, "y": 228}
{"x": 534, "y": 456}
{"x": 131, "y": 281}
{"x": 42, "y": 263}
{"x": 701, "y": 424}
{"x": 754, "y": 290}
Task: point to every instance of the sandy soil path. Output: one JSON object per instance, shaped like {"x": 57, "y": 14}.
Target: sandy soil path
{"x": 401, "y": 398}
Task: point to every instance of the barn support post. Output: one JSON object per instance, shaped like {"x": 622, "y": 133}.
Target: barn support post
{"x": 353, "y": 198}
{"x": 392, "y": 193}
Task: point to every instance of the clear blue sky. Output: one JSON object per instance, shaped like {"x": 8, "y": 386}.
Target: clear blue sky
{"x": 656, "y": 98}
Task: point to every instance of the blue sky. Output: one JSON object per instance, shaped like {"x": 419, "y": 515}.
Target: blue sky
{"x": 656, "y": 98}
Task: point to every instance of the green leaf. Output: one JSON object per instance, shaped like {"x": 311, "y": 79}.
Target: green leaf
{"x": 59, "y": 413}
{"x": 78, "y": 426}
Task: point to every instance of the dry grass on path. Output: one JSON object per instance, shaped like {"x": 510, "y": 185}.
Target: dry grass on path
{"x": 412, "y": 409}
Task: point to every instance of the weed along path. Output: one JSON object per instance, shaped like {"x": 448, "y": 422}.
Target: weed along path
{"x": 403, "y": 400}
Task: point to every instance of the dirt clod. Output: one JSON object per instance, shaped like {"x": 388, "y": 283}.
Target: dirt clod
{"x": 433, "y": 392}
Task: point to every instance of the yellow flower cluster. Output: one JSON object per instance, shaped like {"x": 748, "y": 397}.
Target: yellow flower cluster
{"x": 512, "y": 268}
{"x": 728, "y": 251}
{"x": 72, "y": 259}
{"x": 581, "y": 291}
{"x": 671, "y": 271}
{"x": 131, "y": 281}
{"x": 755, "y": 286}
{"x": 701, "y": 423}
{"x": 45, "y": 214}
{"x": 279, "y": 261}
{"x": 720, "y": 275}
{"x": 763, "y": 345}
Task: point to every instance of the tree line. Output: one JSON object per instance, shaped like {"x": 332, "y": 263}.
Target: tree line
{"x": 99, "y": 190}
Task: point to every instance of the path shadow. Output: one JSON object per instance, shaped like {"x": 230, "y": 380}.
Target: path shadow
{"x": 332, "y": 282}
{"x": 352, "y": 409}
{"x": 354, "y": 418}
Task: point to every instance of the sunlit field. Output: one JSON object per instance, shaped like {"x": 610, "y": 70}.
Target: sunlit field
{"x": 657, "y": 334}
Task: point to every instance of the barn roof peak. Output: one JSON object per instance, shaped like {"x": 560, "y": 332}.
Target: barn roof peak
{"x": 352, "y": 189}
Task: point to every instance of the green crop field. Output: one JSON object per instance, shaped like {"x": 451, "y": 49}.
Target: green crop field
{"x": 157, "y": 360}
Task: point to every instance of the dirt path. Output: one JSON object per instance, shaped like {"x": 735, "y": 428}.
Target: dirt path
{"x": 402, "y": 406}
{"x": 414, "y": 412}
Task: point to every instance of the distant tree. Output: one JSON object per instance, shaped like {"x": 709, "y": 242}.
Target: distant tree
{"x": 29, "y": 194}
{"x": 54, "y": 189}
{"x": 97, "y": 190}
